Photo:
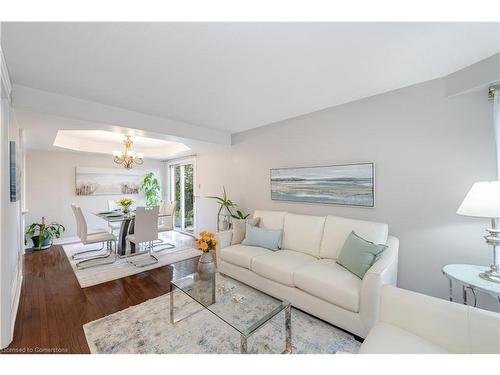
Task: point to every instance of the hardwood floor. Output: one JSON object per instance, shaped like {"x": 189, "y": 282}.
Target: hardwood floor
{"x": 53, "y": 307}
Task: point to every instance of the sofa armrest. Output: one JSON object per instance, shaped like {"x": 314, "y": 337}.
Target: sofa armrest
{"x": 223, "y": 240}
{"x": 453, "y": 326}
{"x": 384, "y": 271}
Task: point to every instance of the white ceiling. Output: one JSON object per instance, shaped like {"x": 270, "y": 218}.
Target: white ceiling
{"x": 237, "y": 76}
{"x": 47, "y": 132}
{"x": 103, "y": 142}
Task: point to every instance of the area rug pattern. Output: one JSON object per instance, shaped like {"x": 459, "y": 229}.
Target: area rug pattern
{"x": 100, "y": 274}
{"x": 146, "y": 328}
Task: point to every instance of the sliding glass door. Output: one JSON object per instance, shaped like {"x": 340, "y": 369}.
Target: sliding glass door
{"x": 182, "y": 184}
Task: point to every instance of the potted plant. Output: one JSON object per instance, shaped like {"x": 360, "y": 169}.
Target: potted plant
{"x": 151, "y": 188}
{"x": 223, "y": 219}
{"x": 125, "y": 204}
{"x": 239, "y": 215}
{"x": 42, "y": 234}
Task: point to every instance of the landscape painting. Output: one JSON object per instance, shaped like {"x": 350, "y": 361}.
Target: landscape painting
{"x": 350, "y": 184}
{"x": 107, "y": 181}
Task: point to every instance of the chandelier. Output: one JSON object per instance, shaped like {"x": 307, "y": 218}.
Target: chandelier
{"x": 129, "y": 157}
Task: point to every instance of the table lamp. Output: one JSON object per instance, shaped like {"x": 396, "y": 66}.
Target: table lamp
{"x": 483, "y": 200}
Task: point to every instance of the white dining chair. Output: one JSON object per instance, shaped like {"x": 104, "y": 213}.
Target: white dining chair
{"x": 104, "y": 237}
{"x": 165, "y": 224}
{"x": 86, "y": 253}
{"x": 145, "y": 233}
{"x": 112, "y": 206}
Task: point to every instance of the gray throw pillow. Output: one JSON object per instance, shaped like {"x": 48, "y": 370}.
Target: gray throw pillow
{"x": 239, "y": 229}
{"x": 269, "y": 239}
{"x": 358, "y": 255}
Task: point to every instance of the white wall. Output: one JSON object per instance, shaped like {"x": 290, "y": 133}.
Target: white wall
{"x": 10, "y": 216}
{"x": 213, "y": 172}
{"x": 428, "y": 150}
{"x": 50, "y": 187}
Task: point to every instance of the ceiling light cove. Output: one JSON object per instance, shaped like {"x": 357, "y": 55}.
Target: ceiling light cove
{"x": 105, "y": 142}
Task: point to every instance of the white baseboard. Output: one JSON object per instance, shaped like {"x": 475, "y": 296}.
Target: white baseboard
{"x": 15, "y": 301}
{"x": 66, "y": 240}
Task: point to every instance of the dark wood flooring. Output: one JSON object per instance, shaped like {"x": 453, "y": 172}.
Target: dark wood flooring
{"x": 53, "y": 308}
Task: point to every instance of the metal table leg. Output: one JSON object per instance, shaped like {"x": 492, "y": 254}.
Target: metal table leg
{"x": 288, "y": 335}
{"x": 243, "y": 344}
{"x": 172, "y": 305}
{"x": 288, "y": 330}
{"x": 182, "y": 317}
{"x": 122, "y": 242}
{"x": 450, "y": 290}
{"x": 464, "y": 294}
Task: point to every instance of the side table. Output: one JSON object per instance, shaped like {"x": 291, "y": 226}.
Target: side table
{"x": 468, "y": 276}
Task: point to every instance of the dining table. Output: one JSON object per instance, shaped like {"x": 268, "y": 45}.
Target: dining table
{"x": 124, "y": 247}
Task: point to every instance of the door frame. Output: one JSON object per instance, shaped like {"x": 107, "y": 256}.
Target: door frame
{"x": 170, "y": 191}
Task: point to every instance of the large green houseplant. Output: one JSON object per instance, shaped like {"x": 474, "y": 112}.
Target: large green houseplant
{"x": 42, "y": 234}
{"x": 151, "y": 188}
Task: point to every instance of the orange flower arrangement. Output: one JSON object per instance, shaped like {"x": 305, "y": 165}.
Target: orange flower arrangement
{"x": 206, "y": 242}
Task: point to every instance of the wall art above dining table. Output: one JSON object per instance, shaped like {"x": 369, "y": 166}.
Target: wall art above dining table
{"x": 107, "y": 181}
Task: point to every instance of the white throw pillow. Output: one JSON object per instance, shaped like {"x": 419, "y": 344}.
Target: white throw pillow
{"x": 239, "y": 229}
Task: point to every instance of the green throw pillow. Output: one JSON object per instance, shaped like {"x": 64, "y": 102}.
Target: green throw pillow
{"x": 358, "y": 255}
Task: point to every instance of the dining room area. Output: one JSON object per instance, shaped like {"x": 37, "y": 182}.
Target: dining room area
{"x": 114, "y": 202}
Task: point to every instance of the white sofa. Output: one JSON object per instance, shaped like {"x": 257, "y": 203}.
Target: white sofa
{"x": 413, "y": 323}
{"x": 305, "y": 273}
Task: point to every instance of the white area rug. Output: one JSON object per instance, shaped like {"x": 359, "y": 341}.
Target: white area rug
{"x": 103, "y": 273}
{"x": 146, "y": 328}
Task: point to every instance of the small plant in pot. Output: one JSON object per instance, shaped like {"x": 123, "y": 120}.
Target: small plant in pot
{"x": 42, "y": 234}
{"x": 223, "y": 218}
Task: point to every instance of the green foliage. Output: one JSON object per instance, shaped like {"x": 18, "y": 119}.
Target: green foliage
{"x": 188, "y": 194}
{"x": 240, "y": 215}
{"x": 45, "y": 231}
{"x": 224, "y": 202}
{"x": 151, "y": 188}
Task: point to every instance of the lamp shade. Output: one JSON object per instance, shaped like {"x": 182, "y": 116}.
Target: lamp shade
{"x": 482, "y": 200}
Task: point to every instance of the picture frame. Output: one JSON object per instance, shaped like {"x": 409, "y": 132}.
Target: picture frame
{"x": 350, "y": 184}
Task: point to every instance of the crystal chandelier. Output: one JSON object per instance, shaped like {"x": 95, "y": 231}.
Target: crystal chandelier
{"x": 129, "y": 157}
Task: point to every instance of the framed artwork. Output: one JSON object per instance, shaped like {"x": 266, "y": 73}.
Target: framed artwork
{"x": 15, "y": 173}
{"x": 345, "y": 184}
{"x": 107, "y": 181}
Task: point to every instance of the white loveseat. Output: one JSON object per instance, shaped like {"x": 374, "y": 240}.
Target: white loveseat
{"x": 413, "y": 323}
{"x": 304, "y": 271}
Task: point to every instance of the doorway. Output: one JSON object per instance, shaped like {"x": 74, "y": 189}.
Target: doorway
{"x": 181, "y": 191}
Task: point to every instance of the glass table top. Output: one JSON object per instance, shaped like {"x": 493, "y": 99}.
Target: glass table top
{"x": 118, "y": 215}
{"x": 469, "y": 275}
{"x": 239, "y": 305}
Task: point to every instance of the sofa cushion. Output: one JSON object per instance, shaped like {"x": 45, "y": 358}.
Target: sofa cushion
{"x": 386, "y": 338}
{"x": 280, "y": 265}
{"x": 267, "y": 238}
{"x": 337, "y": 229}
{"x": 358, "y": 255}
{"x": 331, "y": 282}
{"x": 239, "y": 229}
{"x": 303, "y": 233}
{"x": 270, "y": 219}
{"x": 241, "y": 255}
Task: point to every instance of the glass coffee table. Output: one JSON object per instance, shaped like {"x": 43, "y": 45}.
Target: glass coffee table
{"x": 240, "y": 306}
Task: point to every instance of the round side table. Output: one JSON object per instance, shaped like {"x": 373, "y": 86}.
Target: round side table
{"x": 468, "y": 276}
